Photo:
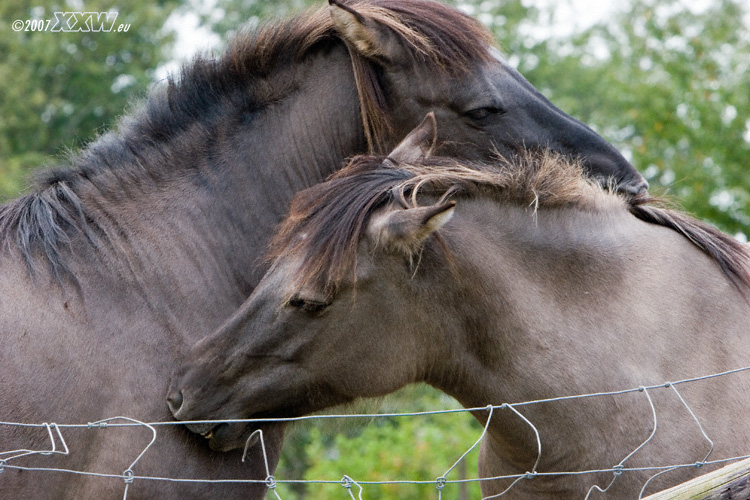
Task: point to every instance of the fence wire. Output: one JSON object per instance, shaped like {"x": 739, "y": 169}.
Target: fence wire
{"x": 58, "y": 446}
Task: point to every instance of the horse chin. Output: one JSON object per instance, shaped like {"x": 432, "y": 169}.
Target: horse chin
{"x": 228, "y": 437}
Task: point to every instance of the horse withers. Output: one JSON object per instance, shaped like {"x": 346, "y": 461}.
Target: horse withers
{"x": 503, "y": 283}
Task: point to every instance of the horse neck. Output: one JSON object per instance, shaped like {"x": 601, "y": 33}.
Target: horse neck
{"x": 519, "y": 269}
{"x": 563, "y": 302}
{"x": 189, "y": 219}
{"x": 509, "y": 286}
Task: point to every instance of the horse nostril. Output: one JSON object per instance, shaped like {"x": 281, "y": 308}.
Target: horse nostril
{"x": 174, "y": 401}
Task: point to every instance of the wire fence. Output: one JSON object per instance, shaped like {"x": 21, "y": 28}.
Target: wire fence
{"x": 58, "y": 446}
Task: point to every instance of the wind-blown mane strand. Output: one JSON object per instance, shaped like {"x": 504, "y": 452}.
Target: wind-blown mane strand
{"x": 332, "y": 216}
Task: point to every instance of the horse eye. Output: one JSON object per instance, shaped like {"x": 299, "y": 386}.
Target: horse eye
{"x": 309, "y": 306}
{"x": 479, "y": 114}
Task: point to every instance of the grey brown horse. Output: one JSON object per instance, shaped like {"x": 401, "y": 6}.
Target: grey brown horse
{"x": 511, "y": 282}
{"x": 149, "y": 238}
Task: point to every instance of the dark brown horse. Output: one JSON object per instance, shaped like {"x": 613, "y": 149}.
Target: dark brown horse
{"x": 506, "y": 283}
{"x": 118, "y": 262}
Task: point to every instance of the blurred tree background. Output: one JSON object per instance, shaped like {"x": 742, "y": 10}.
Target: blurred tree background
{"x": 666, "y": 82}
{"x": 59, "y": 90}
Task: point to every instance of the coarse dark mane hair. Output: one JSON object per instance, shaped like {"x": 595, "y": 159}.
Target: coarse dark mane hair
{"x": 732, "y": 256}
{"x": 327, "y": 221}
{"x": 41, "y": 222}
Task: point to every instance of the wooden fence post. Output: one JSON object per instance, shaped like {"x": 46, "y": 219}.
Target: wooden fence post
{"x": 728, "y": 483}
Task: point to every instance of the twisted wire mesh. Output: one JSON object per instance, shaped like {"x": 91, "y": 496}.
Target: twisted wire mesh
{"x": 58, "y": 446}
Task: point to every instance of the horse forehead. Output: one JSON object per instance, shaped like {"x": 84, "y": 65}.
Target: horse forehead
{"x": 429, "y": 86}
{"x": 486, "y": 74}
{"x": 482, "y": 79}
{"x": 283, "y": 270}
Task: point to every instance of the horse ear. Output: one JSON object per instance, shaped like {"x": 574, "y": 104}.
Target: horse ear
{"x": 369, "y": 38}
{"x": 406, "y": 230}
{"x": 418, "y": 144}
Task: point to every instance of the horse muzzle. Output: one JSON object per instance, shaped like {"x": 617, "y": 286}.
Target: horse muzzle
{"x": 635, "y": 187}
{"x": 221, "y": 436}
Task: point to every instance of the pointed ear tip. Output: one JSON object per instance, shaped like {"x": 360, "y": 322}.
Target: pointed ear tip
{"x": 438, "y": 216}
{"x": 429, "y": 119}
{"x": 445, "y": 209}
{"x": 448, "y": 208}
{"x": 429, "y": 124}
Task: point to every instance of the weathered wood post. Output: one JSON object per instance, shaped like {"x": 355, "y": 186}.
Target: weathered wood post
{"x": 728, "y": 483}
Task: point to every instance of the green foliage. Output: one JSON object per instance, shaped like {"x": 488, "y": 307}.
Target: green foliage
{"x": 234, "y": 15}
{"x": 59, "y": 89}
{"x": 669, "y": 87}
{"x": 420, "y": 448}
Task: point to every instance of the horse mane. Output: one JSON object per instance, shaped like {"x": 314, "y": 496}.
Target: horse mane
{"x": 434, "y": 34}
{"x": 332, "y": 216}
{"x": 732, "y": 256}
{"x": 327, "y": 221}
{"x": 41, "y": 220}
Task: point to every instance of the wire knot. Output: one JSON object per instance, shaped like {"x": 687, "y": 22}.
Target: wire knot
{"x": 128, "y": 476}
{"x": 347, "y": 482}
{"x": 530, "y": 475}
{"x": 618, "y": 470}
{"x": 2, "y": 466}
{"x": 698, "y": 465}
{"x": 440, "y": 482}
{"x": 270, "y": 482}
